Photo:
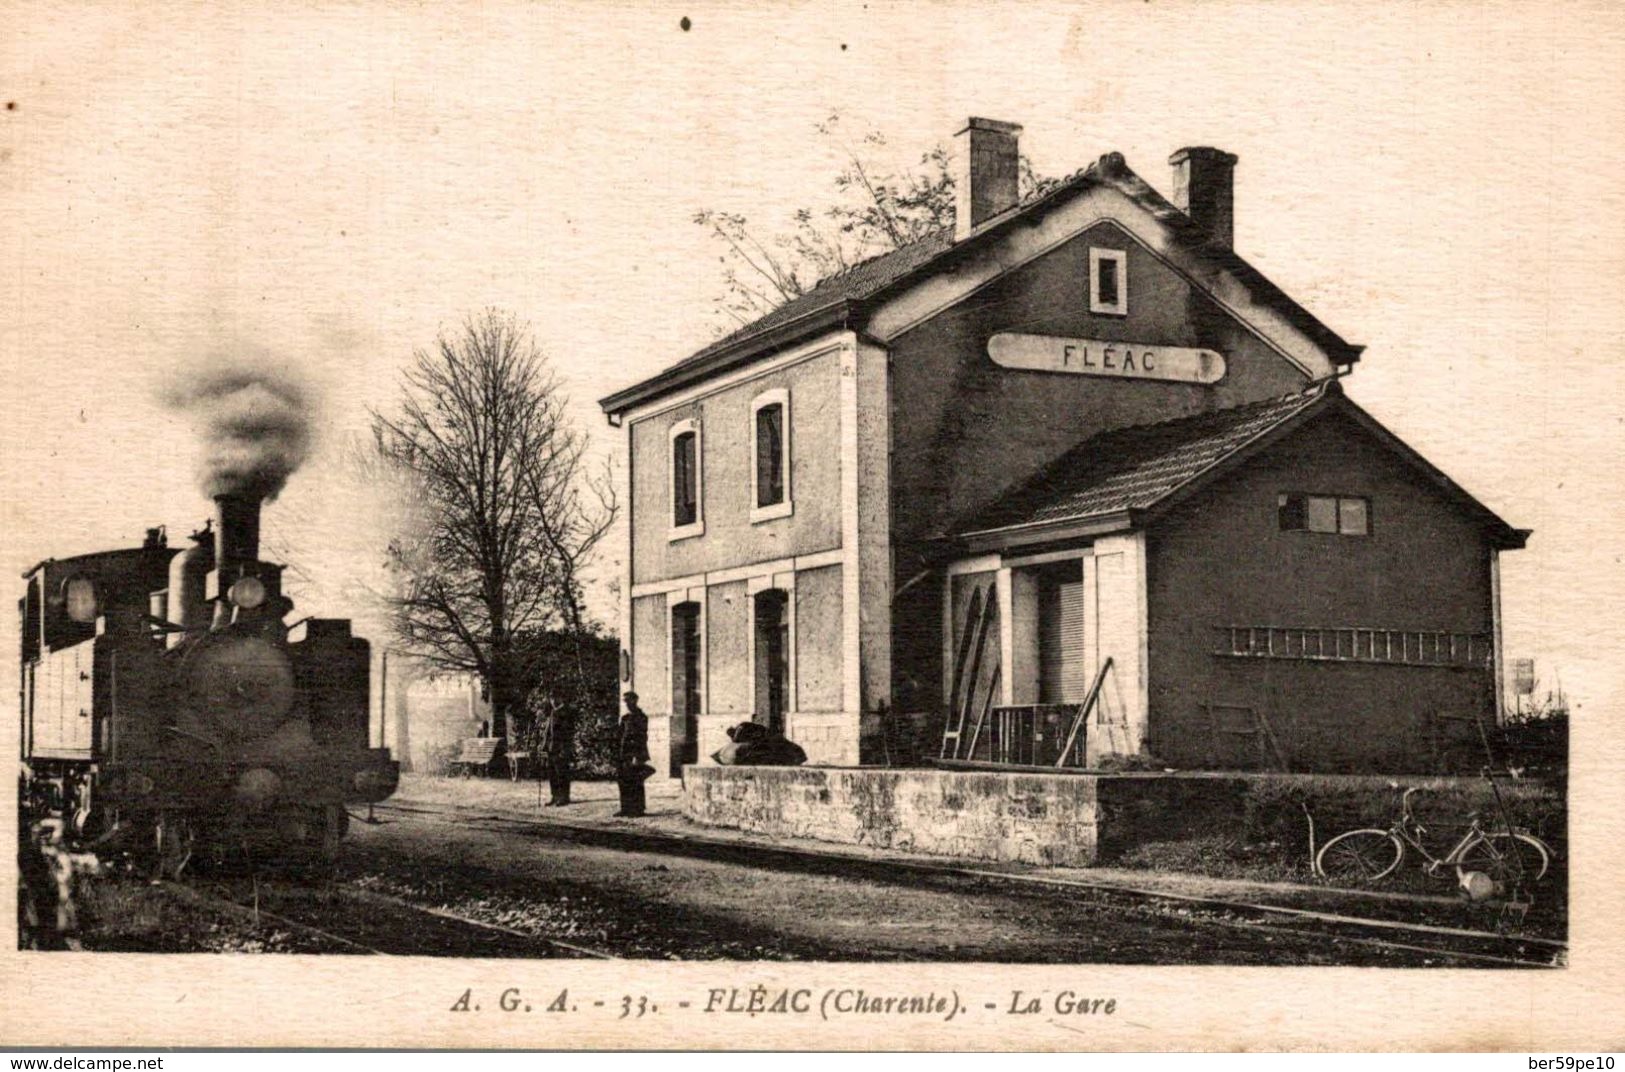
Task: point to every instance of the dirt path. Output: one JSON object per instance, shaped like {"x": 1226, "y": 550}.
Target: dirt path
{"x": 642, "y": 902}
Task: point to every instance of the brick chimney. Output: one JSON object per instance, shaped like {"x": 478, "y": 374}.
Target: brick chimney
{"x": 987, "y": 173}
{"x": 1205, "y": 190}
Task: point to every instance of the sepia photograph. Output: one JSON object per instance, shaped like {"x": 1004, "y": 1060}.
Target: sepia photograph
{"x": 920, "y": 526}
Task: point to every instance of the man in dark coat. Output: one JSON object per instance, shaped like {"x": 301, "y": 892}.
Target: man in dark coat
{"x": 632, "y": 759}
{"x": 559, "y": 750}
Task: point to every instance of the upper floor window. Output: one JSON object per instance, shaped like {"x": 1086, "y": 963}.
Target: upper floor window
{"x": 770, "y": 455}
{"x": 1108, "y": 281}
{"x": 686, "y": 519}
{"x": 1345, "y": 515}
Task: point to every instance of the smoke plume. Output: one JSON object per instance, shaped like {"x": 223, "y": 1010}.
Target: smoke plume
{"x": 254, "y": 419}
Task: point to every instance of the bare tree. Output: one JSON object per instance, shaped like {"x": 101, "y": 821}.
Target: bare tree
{"x": 571, "y": 513}
{"x": 508, "y": 517}
{"x": 873, "y": 210}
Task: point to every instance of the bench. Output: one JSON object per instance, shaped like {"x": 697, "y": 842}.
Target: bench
{"x": 477, "y": 756}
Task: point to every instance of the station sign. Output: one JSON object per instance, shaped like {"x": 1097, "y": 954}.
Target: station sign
{"x": 1096, "y": 357}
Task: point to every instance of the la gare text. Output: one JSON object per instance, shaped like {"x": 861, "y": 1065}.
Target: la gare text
{"x": 780, "y": 1001}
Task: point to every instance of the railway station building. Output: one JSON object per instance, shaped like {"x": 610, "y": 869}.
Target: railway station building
{"x": 1073, "y": 453}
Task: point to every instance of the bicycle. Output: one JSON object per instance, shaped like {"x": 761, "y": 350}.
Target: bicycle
{"x": 1486, "y": 862}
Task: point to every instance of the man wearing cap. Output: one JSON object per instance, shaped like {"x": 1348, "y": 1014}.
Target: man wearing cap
{"x": 632, "y": 760}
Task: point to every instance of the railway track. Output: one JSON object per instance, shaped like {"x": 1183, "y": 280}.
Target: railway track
{"x": 254, "y": 914}
{"x": 1448, "y": 944}
{"x": 343, "y": 917}
{"x": 372, "y": 923}
{"x": 1488, "y": 947}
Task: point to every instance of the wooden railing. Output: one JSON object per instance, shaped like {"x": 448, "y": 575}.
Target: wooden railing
{"x": 1356, "y": 644}
{"x": 1029, "y": 735}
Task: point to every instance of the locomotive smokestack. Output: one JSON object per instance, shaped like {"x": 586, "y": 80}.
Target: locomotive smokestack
{"x": 236, "y": 532}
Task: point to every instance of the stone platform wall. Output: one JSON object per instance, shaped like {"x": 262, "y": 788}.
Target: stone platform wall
{"x": 1027, "y": 818}
{"x": 1066, "y": 820}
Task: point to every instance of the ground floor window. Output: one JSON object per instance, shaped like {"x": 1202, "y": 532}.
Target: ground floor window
{"x": 685, "y": 685}
{"x": 772, "y": 657}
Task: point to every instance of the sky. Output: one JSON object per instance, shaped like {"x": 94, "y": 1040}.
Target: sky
{"x": 330, "y": 185}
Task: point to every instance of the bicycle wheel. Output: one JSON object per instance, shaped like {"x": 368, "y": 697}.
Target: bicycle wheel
{"x": 1506, "y": 858}
{"x": 1359, "y": 856}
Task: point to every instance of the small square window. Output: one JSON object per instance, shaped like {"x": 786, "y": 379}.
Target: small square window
{"x": 1106, "y": 284}
{"x": 1290, "y": 512}
{"x": 1322, "y": 513}
{"x": 1108, "y": 281}
{"x": 1351, "y": 517}
{"x": 1344, "y": 515}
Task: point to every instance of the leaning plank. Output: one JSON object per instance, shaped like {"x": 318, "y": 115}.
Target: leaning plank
{"x": 973, "y": 611}
{"x": 974, "y": 672}
{"x": 1269, "y": 733}
{"x": 1084, "y": 708}
{"x": 964, "y": 681}
{"x": 981, "y": 717}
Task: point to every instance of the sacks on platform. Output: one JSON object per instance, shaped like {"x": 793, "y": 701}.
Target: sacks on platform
{"x": 751, "y": 744}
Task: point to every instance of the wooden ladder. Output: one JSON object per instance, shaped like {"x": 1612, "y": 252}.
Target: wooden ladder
{"x": 968, "y": 668}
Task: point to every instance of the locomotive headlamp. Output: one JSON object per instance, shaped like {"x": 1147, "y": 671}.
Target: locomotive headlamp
{"x": 247, "y": 592}
{"x": 80, "y": 598}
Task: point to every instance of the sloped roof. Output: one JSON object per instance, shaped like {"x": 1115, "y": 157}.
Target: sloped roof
{"x": 838, "y": 300}
{"x": 1130, "y": 474}
{"x": 1134, "y": 468}
{"x": 862, "y": 280}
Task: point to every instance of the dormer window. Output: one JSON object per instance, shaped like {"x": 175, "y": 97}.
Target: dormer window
{"x": 770, "y": 455}
{"x": 686, "y": 518}
{"x": 1108, "y": 282}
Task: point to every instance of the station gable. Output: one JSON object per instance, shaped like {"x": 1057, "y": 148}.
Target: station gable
{"x": 1102, "y": 269}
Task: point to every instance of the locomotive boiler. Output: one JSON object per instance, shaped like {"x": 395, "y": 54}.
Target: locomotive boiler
{"x": 167, "y": 702}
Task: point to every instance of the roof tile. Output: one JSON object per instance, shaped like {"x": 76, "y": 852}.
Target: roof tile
{"x": 1134, "y": 468}
{"x": 860, "y": 281}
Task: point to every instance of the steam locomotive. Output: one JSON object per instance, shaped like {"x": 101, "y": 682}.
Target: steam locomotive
{"x": 166, "y": 704}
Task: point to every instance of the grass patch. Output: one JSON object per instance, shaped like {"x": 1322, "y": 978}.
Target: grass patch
{"x": 1216, "y": 855}
{"x": 1257, "y": 826}
{"x": 130, "y": 916}
{"x": 1273, "y": 808}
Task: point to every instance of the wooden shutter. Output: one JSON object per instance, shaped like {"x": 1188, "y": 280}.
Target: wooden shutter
{"x": 1062, "y": 676}
{"x": 1074, "y": 675}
